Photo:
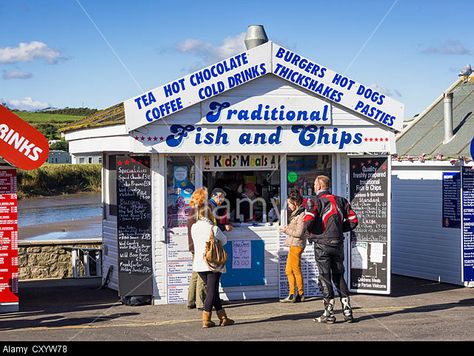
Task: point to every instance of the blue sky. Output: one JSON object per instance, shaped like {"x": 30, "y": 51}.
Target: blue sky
{"x": 52, "y": 54}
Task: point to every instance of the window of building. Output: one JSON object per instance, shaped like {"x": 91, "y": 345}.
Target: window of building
{"x": 303, "y": 170}
{"x": 180, "y": 187}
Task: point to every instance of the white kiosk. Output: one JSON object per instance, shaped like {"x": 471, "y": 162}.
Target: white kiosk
{"x": 267, "y": 117}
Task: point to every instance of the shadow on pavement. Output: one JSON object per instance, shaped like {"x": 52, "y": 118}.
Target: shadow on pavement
{"x": 420, "y": 309}
{"x": 56, "y": 321}
{"x": 405, "y": 286}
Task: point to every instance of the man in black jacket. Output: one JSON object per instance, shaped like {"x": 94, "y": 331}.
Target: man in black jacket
{"x": 327, "y": 217}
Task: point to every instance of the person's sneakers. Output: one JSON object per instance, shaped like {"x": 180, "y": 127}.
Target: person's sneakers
{"x": 289, "y": 299}
{"x": 191, "y": 306}
{"x": 299, "y": 298}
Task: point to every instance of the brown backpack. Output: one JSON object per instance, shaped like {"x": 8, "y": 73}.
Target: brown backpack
{"x": 215, "y": 255}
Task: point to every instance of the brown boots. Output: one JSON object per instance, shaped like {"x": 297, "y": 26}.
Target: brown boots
{"x": 206, "y": 319}
{"x": 224, "y": 320}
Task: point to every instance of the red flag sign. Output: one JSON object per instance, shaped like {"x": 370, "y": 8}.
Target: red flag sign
{"x": 20, "y": 143}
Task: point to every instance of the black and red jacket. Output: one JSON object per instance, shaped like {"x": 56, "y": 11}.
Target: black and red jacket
{"x": 327, "y": 217}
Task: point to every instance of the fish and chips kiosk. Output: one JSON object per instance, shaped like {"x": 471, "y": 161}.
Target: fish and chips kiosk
{"x": 261, "y": 122}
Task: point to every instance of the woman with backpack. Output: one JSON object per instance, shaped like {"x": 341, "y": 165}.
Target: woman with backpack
{"x": 296, "y": 242}
{"x": 201, "y": 232}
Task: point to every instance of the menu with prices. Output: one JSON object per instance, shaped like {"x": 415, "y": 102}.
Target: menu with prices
{"x": 8, "y": 240}
{"x": 451, "y": 199}
{"x": 468, "y": 225}
{"x": 368, "y": 258}
{"x": 179, "y": 265}
{"x": 135, "y": 266}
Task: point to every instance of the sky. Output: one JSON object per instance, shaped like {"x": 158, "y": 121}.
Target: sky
{"x": 97, "y": 53}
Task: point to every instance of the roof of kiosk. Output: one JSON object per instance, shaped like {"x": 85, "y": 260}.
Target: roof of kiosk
{"x": 269, "y": 58}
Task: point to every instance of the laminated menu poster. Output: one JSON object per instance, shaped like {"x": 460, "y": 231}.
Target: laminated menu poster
{"x": 134, "y": 225}
{"x": 369, "y": 243}
{"x": 468, "y": 226}
{"x": 179, "y": 265}
{"x": 8, "y": 240}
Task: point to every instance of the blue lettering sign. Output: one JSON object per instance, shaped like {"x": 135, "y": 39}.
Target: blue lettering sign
{"x": 311, "y": 135}
{"x": 179, "y": 133}
{"x": 265, "y": 113}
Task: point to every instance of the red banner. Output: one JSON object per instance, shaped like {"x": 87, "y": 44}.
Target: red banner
{"x": 8, "y": 236}
{"x": 20, "y": 143}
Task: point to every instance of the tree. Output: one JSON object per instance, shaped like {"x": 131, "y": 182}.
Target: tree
{"x": 60, "y": 145}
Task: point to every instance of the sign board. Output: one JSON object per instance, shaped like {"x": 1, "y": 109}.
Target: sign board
{"x": 369, "y": 249}
{"x": 232, "y": 72}
{"x": 8, "y": 240}
{"x": 337, "y": 88}
{"x": 451, "y": 199}
{"x": 179, "y": 138}
{"x": 20, "y": 143}
{"x": 135, "y": 268}
{"x": 240, "y": 162}
{"x": 263, "y": 110}
{"x": 467, "y": 226}
{"x": 198, "y": 86}
{"x": 241, "y": 253}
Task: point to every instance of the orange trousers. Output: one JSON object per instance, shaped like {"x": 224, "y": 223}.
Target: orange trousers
{"x": 293, "y": 269}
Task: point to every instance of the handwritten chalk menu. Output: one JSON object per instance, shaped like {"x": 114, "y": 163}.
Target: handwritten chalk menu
{"x": 468, "y": 225}
{"x": 309, "y": 270}
{"x": 451, "y": 199}
{"x": 8, "y": 240}
{"x": 134, "y": 225}
{"x": 369, "y": 242}
{"x": 179, "y": 265}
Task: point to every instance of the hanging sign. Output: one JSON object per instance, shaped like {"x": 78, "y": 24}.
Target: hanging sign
{"x": 20, "y": 143}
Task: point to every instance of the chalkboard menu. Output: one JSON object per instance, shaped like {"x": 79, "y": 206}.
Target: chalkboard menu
{"x": 451, "y": 199}
{"x": 468, "y": 224}
{"x": 135, "y": 268}
{"x": 369, "y": 243}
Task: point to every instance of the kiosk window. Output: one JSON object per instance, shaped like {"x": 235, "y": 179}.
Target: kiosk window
{"x": 302, "y": 170}
{"x": 180, "y": 187}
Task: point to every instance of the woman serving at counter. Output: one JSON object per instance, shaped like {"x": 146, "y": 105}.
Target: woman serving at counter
{"x": 200, "y": 232}
{"x": 297, "y": 242}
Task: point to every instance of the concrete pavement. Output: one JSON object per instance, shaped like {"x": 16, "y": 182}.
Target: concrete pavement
{"x": 416, "y": 310}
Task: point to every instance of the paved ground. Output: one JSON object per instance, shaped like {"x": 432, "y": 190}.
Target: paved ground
{"x": 417, "y": 310}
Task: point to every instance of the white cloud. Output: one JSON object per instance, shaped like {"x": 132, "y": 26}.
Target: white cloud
{"x": 450, "y": 47}
{"x": 210, "y": 53}
{"x": 386, "y": 91}
{"x": 16, "y": 74}
{"x": 27, "y": 52}
{"x": 27, "y": 104}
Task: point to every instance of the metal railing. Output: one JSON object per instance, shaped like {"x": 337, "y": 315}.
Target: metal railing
{"x": 87, "y": 258}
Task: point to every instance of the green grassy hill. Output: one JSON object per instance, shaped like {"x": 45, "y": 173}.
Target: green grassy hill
{"x": 49, "y": 123}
